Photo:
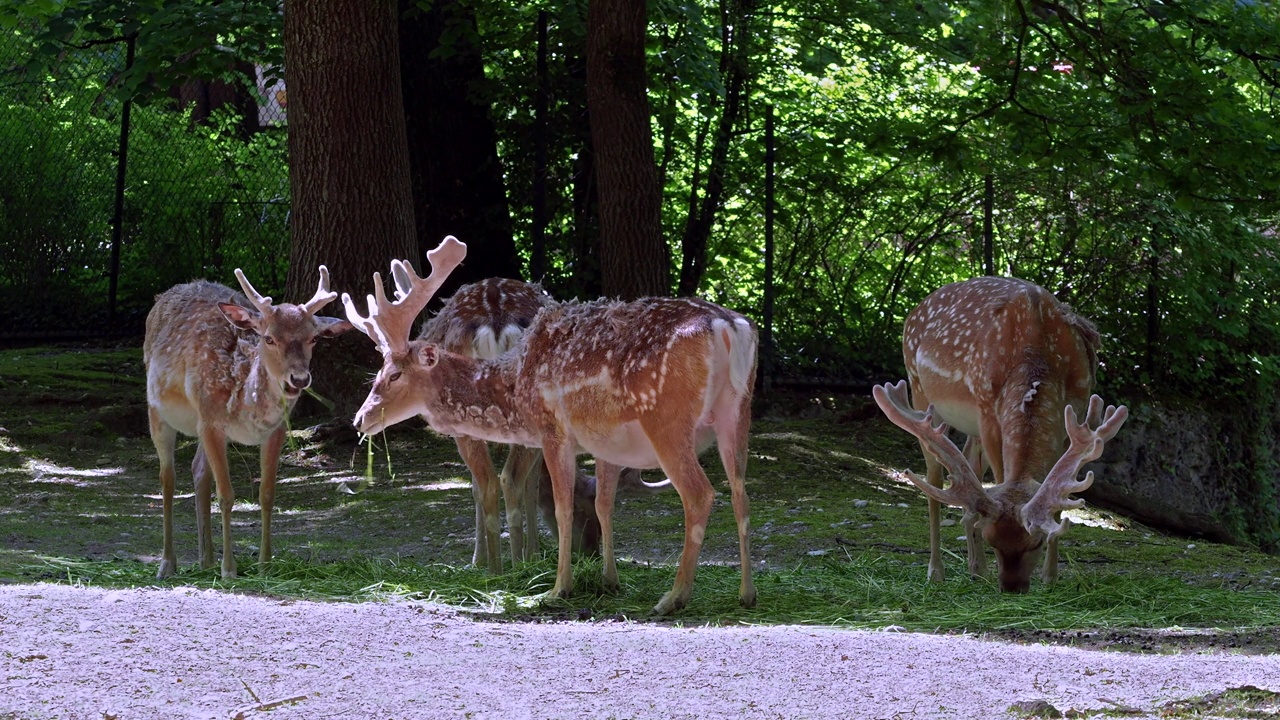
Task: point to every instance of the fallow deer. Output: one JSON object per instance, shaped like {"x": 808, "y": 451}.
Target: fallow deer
{"x": 648, "y": 383}
{"x": 484, "y": 320}
{"x": 1001, "y": 360}
{"x": 226, "y": 367}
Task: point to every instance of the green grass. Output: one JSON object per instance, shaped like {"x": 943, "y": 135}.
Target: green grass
{"x": 837, "y": 539}
{"x": 862, "y": 592}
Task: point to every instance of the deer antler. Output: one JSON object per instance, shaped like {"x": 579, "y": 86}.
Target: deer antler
{"x": 389, "y": 324}
{"x": 323, "y": 295}
{"x": 1086, "y": 445}
{"x": 258, "y": 300}
{"x": 966, "y": 489}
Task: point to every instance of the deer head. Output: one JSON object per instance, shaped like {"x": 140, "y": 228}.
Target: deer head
{"x": 1015, "y": 518}
{"x": 397, "y": 389}
{"x": 287, "y": 333}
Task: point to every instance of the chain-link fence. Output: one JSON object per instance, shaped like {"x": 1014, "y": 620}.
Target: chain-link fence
{"x": 105, "y": 202}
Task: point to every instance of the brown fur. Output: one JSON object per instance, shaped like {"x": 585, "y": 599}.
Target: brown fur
{"x": 1000, "y": 358}
{"x": 223, "y": 371}
{"x": 641, "y": 384}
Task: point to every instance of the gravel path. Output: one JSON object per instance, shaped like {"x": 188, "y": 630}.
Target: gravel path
{"x": 185, "y": 653}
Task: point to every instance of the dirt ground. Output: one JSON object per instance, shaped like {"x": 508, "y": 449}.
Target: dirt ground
{"x": 186, "y": 653}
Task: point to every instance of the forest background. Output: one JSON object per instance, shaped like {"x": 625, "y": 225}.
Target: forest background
{"x": 820, "y": 167}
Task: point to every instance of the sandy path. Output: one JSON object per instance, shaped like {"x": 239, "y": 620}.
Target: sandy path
{"x": 185, "y": 653}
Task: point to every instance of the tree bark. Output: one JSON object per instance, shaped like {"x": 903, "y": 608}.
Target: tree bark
{"x": 457, "y": 176}
{"x": 352, "y": 208}
{"x": 632, "y": 256}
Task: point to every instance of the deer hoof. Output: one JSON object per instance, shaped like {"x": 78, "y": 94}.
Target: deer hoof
{"x": 229, "y": 569}
{"x": 747, "y": 597}
{"x": 168, "y": 568}
{"x": 669, "y": 603}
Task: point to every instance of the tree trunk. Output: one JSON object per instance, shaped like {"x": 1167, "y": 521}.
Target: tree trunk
{"x": 734, "y": 54}
{"x": 586, "y": 283}
{"x": 632, "y": 253}
{"x": 352, "y": 208}
{"x": 453, "y": 146}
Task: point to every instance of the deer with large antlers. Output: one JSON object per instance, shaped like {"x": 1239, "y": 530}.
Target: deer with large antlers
{"x": 223, "y": 366}
{"x": 643, "y": 384}
{"x": 1005, "y": 362}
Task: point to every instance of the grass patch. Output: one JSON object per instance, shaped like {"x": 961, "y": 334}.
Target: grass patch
{"x": 858, "y": 592}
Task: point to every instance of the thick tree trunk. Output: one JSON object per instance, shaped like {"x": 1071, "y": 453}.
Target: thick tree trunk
{"x": 352, "y": 208}
{"x": 453, "y": 146}
{"x": 632, "y": 253}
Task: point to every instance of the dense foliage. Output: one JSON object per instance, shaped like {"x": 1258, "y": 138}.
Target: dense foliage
{"x": 1133, "y": 150}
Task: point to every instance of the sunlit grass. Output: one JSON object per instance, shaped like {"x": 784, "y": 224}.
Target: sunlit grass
{"x": 854, "y": 591}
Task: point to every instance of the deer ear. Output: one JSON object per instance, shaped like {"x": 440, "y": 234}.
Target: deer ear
{"x": 331, "y": 326}
{"x": 428, "y": 356}
{"x": 241, "y": 317}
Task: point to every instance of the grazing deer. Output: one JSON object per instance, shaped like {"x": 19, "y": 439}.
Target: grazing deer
{"x": 643, "y": 384}
{"x": 224, "y": 366}
{"x": 483, "y": 320}
{"x": 1001, "y": 360}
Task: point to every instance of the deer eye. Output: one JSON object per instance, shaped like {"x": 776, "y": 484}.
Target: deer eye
{"x": 268, "y": 340}
{"x": 312, "y": 340}
{"x": 393, "y": 377}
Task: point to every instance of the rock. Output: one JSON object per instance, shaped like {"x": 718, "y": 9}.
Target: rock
{"x": 1035, "y": 708}
{"x": 1194, "y": 470}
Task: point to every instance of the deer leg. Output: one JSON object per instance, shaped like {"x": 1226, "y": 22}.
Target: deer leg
{"x": 514, "y": 480}
{"x": 214, "y": 443}
{"x": 484, "y": 487}
{"x": 203, "y": 478}
{"x": 1049, "y": 574}
{"x": 934, "y": 476}
{"x": 606, "y": 489}
{"x": 269, "y": 461}
{"x": 731, "y": 441}
{"x": 532, "y": 473}
{"x": 972, "y": 533}
{"x": 163, "y": 436}
{"x": 678, "y": 460}
{"x": 561, "y": 460}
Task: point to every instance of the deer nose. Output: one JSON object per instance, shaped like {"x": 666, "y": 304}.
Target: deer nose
{"x": 300, "y": 381}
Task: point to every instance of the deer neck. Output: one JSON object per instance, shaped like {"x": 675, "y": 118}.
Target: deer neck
{"x": 1030, "y": 409}
{"x": 477, "y": 398}
{"x": 256, "y": 400}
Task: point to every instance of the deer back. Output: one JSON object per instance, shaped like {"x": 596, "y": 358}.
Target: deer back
{"x": 1006, "y": 351}
{"x": 594, "y": 367}
{"x": 486, "y": 318}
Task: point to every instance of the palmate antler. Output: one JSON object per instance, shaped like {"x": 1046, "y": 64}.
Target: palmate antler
{"x": 323, "y": 295}
{"x": 1086, "y": 446}
{"x": 966, "y": 489}
{"x": 389, "y": 324}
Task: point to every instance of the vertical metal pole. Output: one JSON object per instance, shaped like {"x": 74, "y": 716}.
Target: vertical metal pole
{"x": 767, "y": 330}
{"x": 122, "y": 166}
{"x": 988, "y": 236}
{"x": 538, "y": 256}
